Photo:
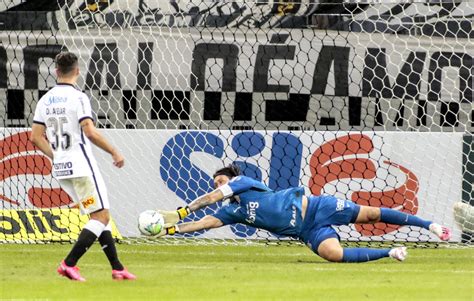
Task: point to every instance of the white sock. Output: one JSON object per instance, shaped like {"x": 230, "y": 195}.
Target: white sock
{"x": 95, "y": 227}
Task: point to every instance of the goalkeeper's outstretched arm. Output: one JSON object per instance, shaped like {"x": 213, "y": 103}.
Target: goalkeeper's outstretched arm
{"x": 206, "y": 200}
{"x": 172, "y": 217}
{"x": 207, "y": 222}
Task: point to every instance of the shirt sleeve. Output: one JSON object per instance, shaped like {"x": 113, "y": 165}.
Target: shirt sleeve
{"x": 236, "y": 185}
{"x": 38, "y": 117}
{"x": 227, "y": 214}
{"x": 84, "y": 111}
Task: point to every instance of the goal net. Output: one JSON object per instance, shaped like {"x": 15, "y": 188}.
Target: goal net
{"x": 369, "y": 101}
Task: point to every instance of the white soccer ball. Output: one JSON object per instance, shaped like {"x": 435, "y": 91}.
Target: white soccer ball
{"x": 150, "y": 222}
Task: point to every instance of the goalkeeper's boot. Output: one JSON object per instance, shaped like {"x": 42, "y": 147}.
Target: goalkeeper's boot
{"x": 70, "y": 272}
{"x": 399, "y": 253}
{"x": 123, "y": 275}
{"x": 444, "y": 233}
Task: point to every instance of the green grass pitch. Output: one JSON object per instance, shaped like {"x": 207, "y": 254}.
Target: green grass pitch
{"x": 187, "y": 272}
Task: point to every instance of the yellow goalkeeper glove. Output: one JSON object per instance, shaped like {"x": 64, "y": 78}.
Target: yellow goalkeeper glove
{"x": 172, "y": 217}
{"x": 168, "y": 231}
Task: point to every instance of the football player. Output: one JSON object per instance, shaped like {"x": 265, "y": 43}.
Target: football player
{"x": 289, "y": 212}
{"x": 65, "y": 114}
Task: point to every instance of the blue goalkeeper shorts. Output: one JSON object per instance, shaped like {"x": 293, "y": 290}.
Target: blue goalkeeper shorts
{"x": 322, "y": 213}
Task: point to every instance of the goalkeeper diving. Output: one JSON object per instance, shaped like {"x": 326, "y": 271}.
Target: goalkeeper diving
{"x": 290, "y": 213}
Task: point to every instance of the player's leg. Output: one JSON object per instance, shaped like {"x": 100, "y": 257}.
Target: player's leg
{"x": 89, "y": 203}
{"x": 331, "y": 250}
{"x": 107, "y": 242}
{"x": 371, "y": 215}
{"x": 71, "y": 272}
{"x": 91, "y": 231}
{"x": 106, "y": 239}
{"x": 319, "y": 235}
{"x": 83, "y": 193}
{"x": 328, "y": 247}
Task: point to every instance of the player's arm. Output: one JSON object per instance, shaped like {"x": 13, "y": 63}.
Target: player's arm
{"x": 38, "y": 139}
{"x": 238, "y": 185}
{"x": 205, "y": 200}
{"x": 172, "y": 217}
{"x": 207, "y": 222}
{"x": 96, "y": 137}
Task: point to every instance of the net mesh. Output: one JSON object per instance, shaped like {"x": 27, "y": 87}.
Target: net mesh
{"x": 368, "y": 101}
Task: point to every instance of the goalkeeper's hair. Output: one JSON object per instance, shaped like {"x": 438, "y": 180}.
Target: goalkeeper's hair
{"x": 231, "y": 171}
{"x": 66, "y": 62}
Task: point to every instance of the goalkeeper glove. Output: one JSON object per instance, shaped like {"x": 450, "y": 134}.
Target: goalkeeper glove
{"x": 168, "y": 231}
{"x": 172, "y": 217}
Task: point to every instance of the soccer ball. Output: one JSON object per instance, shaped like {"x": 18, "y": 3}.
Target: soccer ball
{"x": 150, "y": 222}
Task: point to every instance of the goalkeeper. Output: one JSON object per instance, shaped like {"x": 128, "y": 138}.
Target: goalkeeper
{"x": 289, "y": 212}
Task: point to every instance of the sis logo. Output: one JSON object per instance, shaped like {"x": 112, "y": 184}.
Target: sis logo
{"x": 342, "y": 158}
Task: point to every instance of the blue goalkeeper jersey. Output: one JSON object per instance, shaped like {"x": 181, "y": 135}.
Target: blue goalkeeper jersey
{"x": 254, "y": 204}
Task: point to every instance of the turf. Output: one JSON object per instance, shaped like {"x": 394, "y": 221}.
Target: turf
{"x": 235, "y": 273}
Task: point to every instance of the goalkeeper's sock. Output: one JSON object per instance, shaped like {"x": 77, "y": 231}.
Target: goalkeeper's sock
{"x": 395, "y": 217}
{"x": 108, "y": 246}
{"x": 88, "y": 235}
{"x": 363, "y": 254}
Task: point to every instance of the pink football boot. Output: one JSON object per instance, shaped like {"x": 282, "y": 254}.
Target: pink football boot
{"x": 123, "y": 275}
{"x": 70, "y": 272}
